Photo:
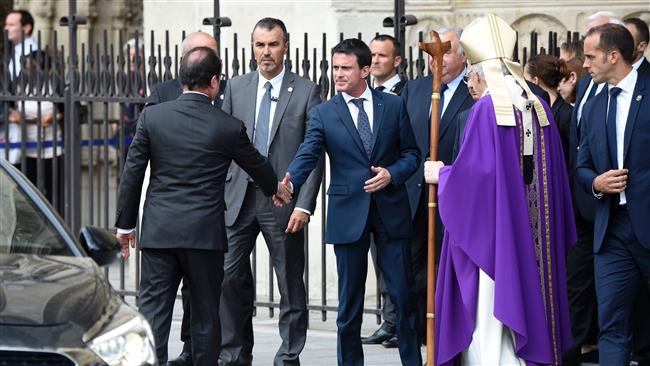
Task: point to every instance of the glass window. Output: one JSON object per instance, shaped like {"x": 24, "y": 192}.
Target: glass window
{"x": 23, "y": 227}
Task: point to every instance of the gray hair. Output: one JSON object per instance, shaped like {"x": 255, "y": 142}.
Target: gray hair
{"x": 457, "y": 31}
{"x": 612, "y": 17}
{"x": 131, "y": 43}
{"x": 477, "y": 68}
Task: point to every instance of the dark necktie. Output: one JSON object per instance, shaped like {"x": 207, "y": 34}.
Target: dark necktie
{"x": 363, "y": 126}
{"x": 380, "y": 88}
{"x": 261, "y": 138}
{"x": 443, "y": 88}
{"x": 611, "y": 125}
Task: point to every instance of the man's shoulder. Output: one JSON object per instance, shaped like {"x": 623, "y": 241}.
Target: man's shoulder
{"x": 239, "y": 80}
{"x": 299, "y": 80}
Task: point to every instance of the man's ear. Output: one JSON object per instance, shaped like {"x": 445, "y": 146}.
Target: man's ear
{"x": 214, "y": 82}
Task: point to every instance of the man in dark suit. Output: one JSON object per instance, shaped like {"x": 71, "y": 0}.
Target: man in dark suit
{"x": 613, "y": 166}
{"x": 273, "y": 103}
{"x": 369, "y": 164}
{"x": 190, "y": 144}
{"x": 172, "y": 89}
{"x": 163, "y": 92}
{"x": 386, "y": 58}
{"x": 454, "y": 98}
{"x": 641, "y": 35}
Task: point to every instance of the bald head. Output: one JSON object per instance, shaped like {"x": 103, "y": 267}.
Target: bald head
{"x": 198, "y": 39}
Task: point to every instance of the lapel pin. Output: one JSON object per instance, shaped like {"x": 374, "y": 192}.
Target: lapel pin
{"x": 290, "y": 89}
{"x": 639, "y": 97}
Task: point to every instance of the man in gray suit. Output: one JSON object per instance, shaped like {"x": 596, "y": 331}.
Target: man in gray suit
{"x": 274, "y": 105}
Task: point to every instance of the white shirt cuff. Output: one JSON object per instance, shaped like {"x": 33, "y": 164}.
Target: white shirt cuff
{"x": 125, "y": 231}
{"x": 302, "y": 210}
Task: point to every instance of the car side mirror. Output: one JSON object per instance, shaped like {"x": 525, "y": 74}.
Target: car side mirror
{"x": 100, "y": 244}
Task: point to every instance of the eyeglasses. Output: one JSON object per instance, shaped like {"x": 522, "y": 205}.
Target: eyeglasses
{"x": 465, "y": 78}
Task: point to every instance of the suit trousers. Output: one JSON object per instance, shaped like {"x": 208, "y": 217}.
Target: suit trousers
{"x": 621, "y": 266}
{"x": 387, "y": 306}
{"x": 352, "y": 268}
{"x": 238, "y": 290}
{"x": 581, "y": 290}
{"x": 162, "y": 270}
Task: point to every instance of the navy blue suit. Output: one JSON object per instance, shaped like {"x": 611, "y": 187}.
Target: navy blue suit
{"x": 352, "y": 214}
{"x": 621, "y": 235}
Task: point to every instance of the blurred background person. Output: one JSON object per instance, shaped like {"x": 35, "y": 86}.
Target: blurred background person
{"x": 567, "y": 86}
{"x": 571, "y": 50}
{"x": 546, "y": 71}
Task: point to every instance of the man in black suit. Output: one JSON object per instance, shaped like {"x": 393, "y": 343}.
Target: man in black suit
{"x": 163, "y": 92}
{"x": 273, "y": 103}
{"x": 190, "y": 144}
{"x": 172, "y": 89}
{"x": 641, "y": 35}
{"x": 454, "y": 98}
{"x": 386, "y": 59}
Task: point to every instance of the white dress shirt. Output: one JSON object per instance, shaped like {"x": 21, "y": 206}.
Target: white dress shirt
{"x": 367, "y": 105}
{"x": 623, "y": 103}
{"x": 449, "y": 93}
{"x": 389, "y": 84}
{"x": 30, "y": 46}
{"x": 276, "y": 84}
{"x": 638, "y": 63}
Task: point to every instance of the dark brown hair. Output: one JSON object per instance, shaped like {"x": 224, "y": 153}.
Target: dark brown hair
{"x": 549, "y": 69}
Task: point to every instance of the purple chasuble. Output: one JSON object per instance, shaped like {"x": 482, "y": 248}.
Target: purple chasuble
{"x": 517, "y": 234}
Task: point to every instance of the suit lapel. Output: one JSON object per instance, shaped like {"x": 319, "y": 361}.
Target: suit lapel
{"x": 377, "y": 116}
{"x": 637, "y": 97}
{"x": 457, "y": 100}
{"x": 286, "y": 90}
{"x": 344, "y": 113}
{"x": 250, "y": 90}
{"x": 599, "y": 121}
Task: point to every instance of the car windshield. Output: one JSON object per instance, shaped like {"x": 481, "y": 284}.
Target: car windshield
{"x": 24, "y": 228}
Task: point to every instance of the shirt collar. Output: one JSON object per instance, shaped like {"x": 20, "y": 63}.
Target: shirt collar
{"x": 638, "y": 63}
{"x": 628, "y": 82}
{"x": 452, "y": 85}
{"x": 276, "y": 82}
{"x": 367, "y": 95}
{"x": 195, "y": 92}
{"x": 390, "y": 83}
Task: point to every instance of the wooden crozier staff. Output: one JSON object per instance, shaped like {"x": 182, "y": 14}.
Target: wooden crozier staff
{"x": 436, "y": 49}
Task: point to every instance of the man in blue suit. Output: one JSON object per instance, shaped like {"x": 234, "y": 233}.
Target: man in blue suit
{"x": 613, "y": 165}
{"x": 368, "y": 138}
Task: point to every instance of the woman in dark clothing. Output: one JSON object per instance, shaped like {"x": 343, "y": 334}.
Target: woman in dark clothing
{"x": 547, "y": 71}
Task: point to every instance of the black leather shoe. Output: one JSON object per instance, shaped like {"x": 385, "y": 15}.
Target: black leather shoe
{"x": 390, "y": 343}
{"x": 377, "y": 337}
{"x": 184, "y": 359}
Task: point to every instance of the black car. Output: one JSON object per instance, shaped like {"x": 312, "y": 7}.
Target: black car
{"x": 56, "y": 306}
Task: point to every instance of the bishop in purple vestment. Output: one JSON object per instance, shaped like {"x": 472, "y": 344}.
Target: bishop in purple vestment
{"x": 506, "y": 208}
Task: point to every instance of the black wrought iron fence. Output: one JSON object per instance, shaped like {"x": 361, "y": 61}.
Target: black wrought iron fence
{"x": 68, "y": 116}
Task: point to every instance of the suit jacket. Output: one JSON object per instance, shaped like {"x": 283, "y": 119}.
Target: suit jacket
{"x": 593, "y": 160}
{"x": 562, "y": 112}
{"x": 584, "y": 203}
{"x": 417, "y": 95}
{"x": 332, "y": 129}
{"x": 297, "y": 96}
{"x": 172, "y": 89}
{"x": 460, "y": 129}
{"x": 190, "y": 144}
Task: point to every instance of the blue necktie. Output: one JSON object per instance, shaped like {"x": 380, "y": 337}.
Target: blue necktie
{"x": 363, "y": 126}
{"x": 443, "y": 88}
{"x": 261, "y": 138}
{"x": 611, "y": 125}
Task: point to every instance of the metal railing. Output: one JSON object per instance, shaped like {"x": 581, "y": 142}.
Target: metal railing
{"x": 95, "y": 91}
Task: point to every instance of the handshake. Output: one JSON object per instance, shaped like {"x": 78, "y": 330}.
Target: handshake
{"x": 285, "y": 191}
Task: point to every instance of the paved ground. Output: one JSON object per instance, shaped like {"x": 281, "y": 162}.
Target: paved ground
{"x": 320, "y": 349}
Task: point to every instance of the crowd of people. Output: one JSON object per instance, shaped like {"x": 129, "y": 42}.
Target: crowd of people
{"x": 543, "y": 180}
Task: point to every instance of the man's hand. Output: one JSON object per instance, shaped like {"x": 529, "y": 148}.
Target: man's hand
{"x": 47, "y": 120}
{"x": 297, "y": 221}
{"x": 432, "y": 171}
{"x": 612, "y": 181}
{"x": 379, "y": 181}
{"x": 14, "y": 116}
{"x": 283, "y": 195}
{"x": 126, "y": 240}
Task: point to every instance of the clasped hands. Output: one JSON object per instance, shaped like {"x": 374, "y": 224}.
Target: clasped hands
{"x": 285, "y": 191}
